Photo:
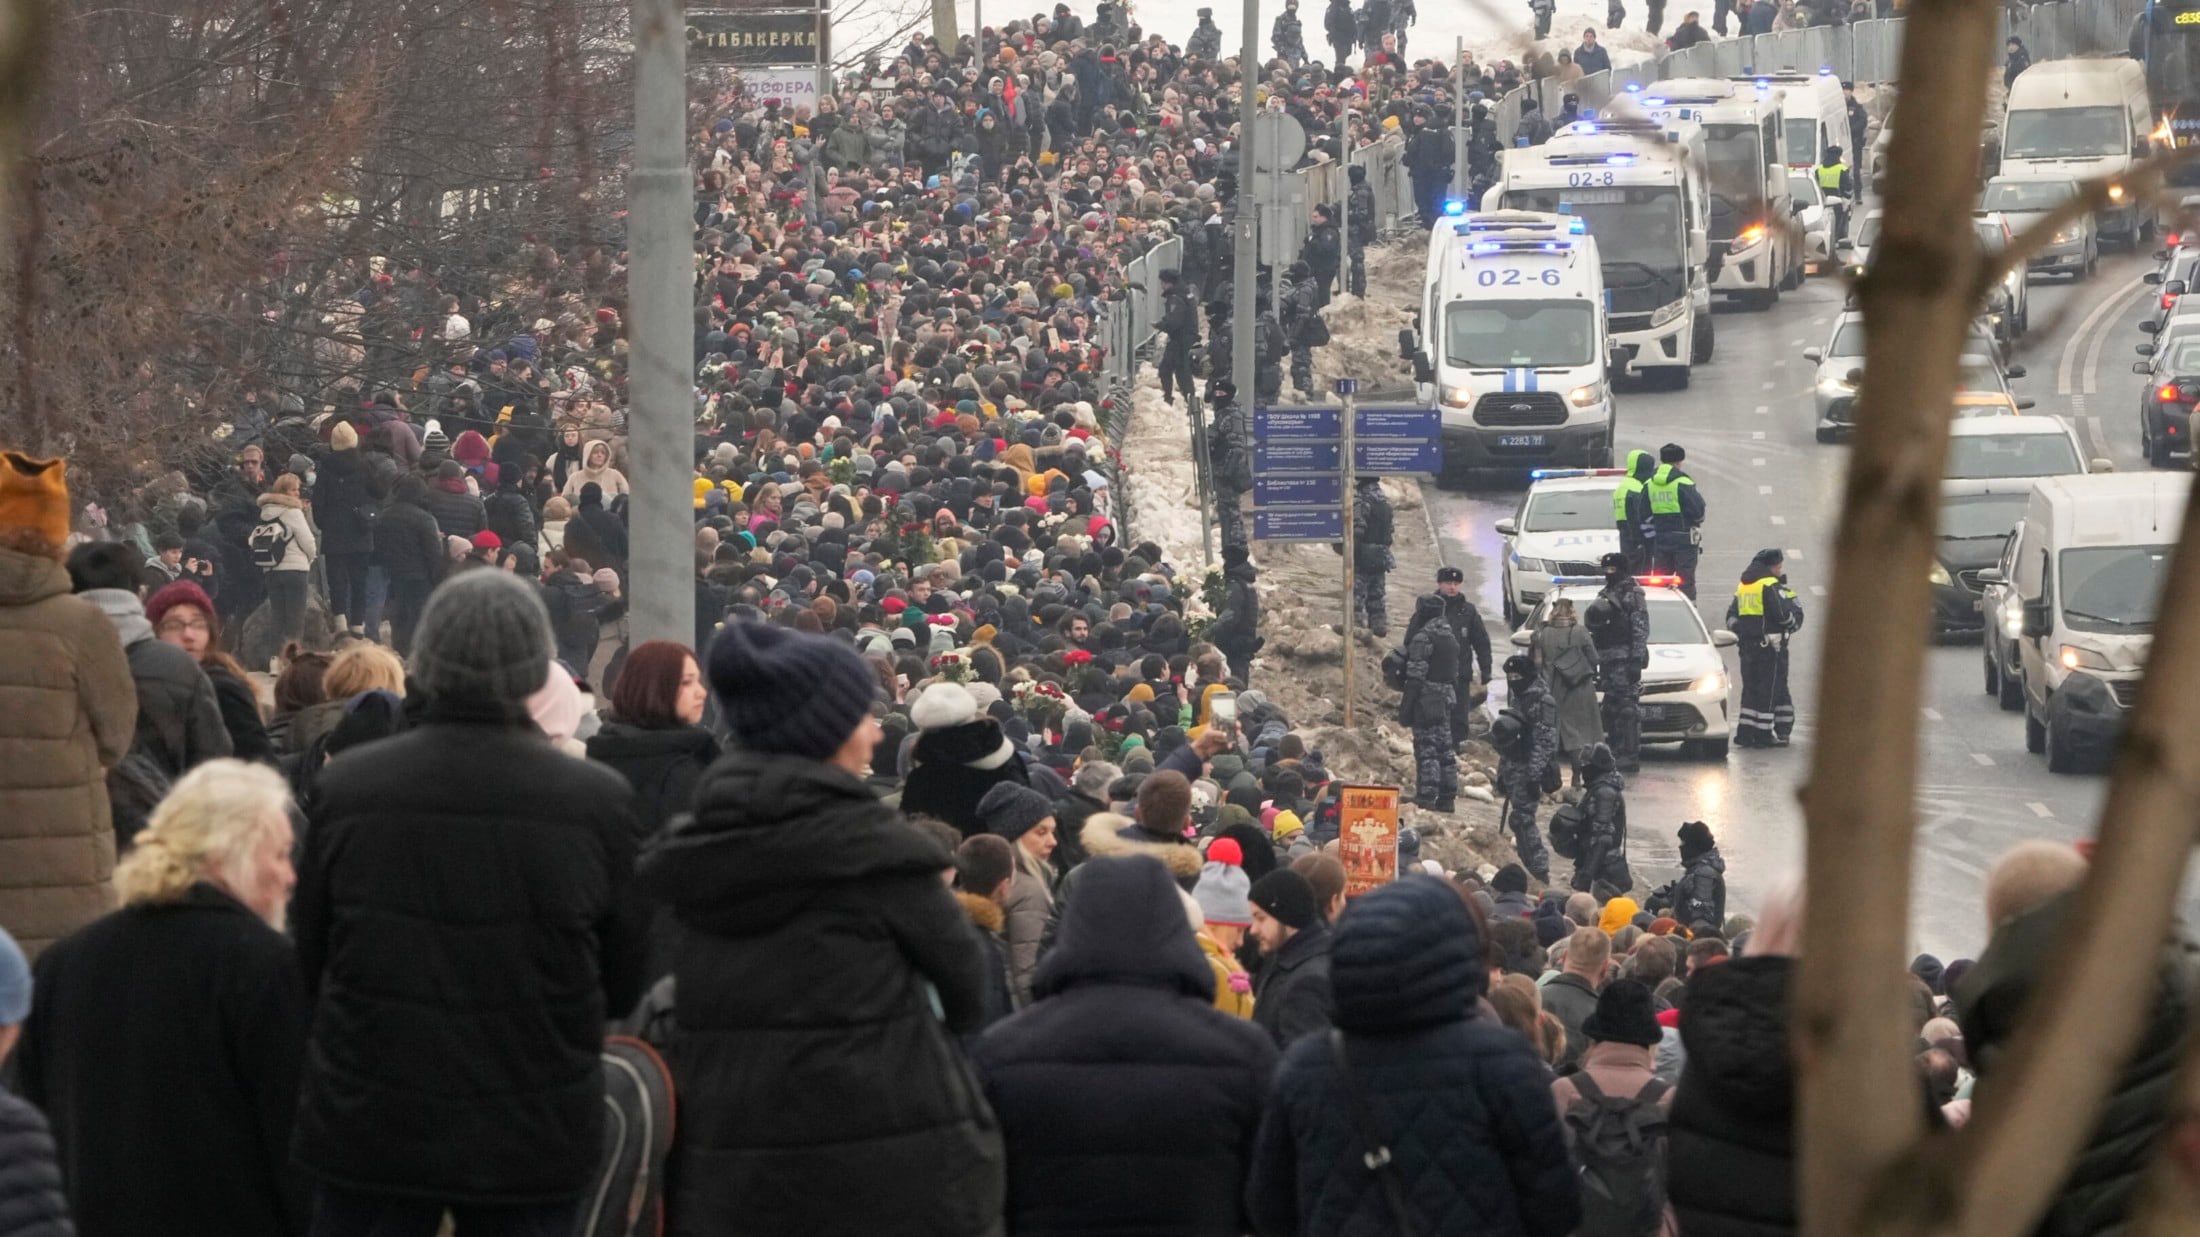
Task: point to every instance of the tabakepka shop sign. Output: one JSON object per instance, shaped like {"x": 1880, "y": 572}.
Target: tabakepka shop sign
{"x": 754, "y": 38}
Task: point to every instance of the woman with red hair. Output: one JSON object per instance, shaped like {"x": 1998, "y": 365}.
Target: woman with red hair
{"x": 655, "y": 738}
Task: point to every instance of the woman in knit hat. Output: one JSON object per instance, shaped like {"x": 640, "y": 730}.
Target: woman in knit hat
{"x": 816, "y": 937}
{"x": 1026, "y": 818}
{"x": 1225, "y": 912}
{"x": 183, "y": 615}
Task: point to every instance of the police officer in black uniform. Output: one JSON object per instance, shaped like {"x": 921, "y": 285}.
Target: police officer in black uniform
{"x": 1764, "y": 615}
{"x": 1676, "y": 518}
{"x": 1359, "y": 210}
{"x": 1526, "y": 738}
{"x": 1432, "y": 676}
{"x": 1474, "y": 645}
{"x": 1619, "y": 623}
{"x": 1180, "y": 323}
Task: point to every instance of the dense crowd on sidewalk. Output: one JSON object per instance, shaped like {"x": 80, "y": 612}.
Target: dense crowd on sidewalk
{"x": 957, "y": 865}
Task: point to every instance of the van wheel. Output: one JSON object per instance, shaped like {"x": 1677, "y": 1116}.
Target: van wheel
{"x": 1828, "y": 434}
{"x": 2012, "y": 692}
{"x": 1699, "y": 348}
{"x": 1993, "y": 669}
{"x": 2060, "y": 759}
{"x": 2035, "y": 732}
{"x": 2157, "y": 452}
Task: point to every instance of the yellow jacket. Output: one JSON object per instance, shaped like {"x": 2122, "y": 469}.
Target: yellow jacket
{"x": 1227, "y": 999}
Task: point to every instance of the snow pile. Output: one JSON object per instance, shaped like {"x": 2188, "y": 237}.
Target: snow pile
{"x": 1363, "y": 332}
{"x": 1161, "y": 476}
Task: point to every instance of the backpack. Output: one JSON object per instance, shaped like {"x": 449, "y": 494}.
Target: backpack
{"x": 1620, "y": 1146}
{"x": 627, "y": 1196}
{"x": 269, "y": 541}
{"x": 1568, "y": 825}
{"x": 1394, "y": 670}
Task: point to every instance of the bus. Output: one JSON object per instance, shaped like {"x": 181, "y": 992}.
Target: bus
{"x": 2166, "y": 39}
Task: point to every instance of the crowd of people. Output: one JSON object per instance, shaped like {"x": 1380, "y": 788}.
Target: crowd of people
{"x": 957, "y": 864}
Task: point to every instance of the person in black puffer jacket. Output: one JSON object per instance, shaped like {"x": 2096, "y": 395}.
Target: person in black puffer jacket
{"x": 508, "y": 513}
{"x": 824, "y": 1097}
{"x": 31, "y": 1200}
{"x": 1124, "y": 1033}
{"x": 1465, "y": 1101}
{"x": 457, "y": 512}
{"x": 957, "y": 758}
{"x": 1730, "y": 1150}
{"x": 458, "y": 927}
{"x": 409, "y": 548}
{"x": 346, "y": 493}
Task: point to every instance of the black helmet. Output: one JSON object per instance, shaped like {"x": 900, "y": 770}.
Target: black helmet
{"x": 1603, "y": 612}
{"x": 1507, "y": 731}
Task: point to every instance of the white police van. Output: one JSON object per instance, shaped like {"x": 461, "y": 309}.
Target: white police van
{"x": 1511, "y": 342}
{"x": 1563, "y": 527}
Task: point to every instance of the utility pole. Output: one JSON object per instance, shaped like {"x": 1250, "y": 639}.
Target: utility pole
{"x": 1459, "y": 119}
{"x": 1245, "y": 314}
{"x": 661, "y": 288}
{"x": 943, "y": 23}
{"x": 1344, "y": 153}
{"x": 1347, "y": 389}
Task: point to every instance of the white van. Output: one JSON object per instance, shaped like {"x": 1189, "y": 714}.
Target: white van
{"x": 2082, "y": 119}
{"x": 1744, "y": 144}
{"x": 2095, "y": 551}
{"x": 1512, "y": 343}
{"x": 1814, "y": 113}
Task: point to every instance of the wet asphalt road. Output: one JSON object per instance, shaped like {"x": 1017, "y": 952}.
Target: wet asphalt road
{"x": 1747, "y": 422}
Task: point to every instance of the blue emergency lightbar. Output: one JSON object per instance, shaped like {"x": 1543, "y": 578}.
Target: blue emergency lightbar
{"x": 1764, "y": 83}
{"x": 1484, "y": 247}
{"x": 1578, "y": 226}
{"x": 1634, "y": 87}
{"x": 1454, "y": 206}
{"x": 1825, "y": 70}
{"x": 1654, "y": 100}
{"x": 1619, "y": 160}
{"x": 1550, "y": 474}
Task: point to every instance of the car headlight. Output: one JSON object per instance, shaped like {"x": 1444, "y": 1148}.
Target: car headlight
{"x": 2074, "y": 657}
{"x": 1534, "y": 565}
{"x": 2064, "y": 236}
{"x": 1585, "y": 396}
{"x": 1939, "y": 575}
{"x": 1712, "y": 684}
{"x": 1458, "y": 397}
{"x": 1666, "y": 313}
{"x": 1750, "y": 235}
{"x": 2115, "y": 193}
{"x": 1836, "y": 386}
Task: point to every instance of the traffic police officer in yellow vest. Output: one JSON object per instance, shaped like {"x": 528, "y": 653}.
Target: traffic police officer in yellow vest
{"x": 1676, "y": 518}
{"x": 1764, "y": 615}
{"x": 1631, "y": 511}
{"x": 1835, "y": 180}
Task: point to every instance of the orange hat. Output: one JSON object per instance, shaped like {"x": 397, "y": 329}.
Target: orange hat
{"x": 34, "y": 494}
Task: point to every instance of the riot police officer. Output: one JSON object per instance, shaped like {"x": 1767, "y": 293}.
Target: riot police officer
{"x": 1359, "y": 212}
{"x": 1619, "y": 622}
{"x": 1764, "y": 615}
{"x": 1206, "y": 40}
{"x": 1270, "y": 346}
{"x": 1432, "y": 676}
{"x": 1676, "y": 518}
{"x": 1180, "y": 323}
{"x": 1526, "y": 738}
{"x": 1227, "y": 459}
{"x": 1302, "y": 323}
{"x": 1631, "y": 510}
{"x": 1371, "y": 556}
{"x": 1474, "y": 645}
{"x": 1288, "y": 36}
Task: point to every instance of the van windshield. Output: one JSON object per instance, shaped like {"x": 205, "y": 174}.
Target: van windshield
{"x": 1567, "y": 511}
{"x": 2112, "y": 588}
{"x": 1973, "y": 457}
{"x": 1802, "y": 135}
{"x": 2065, "y": 133}
{"x": 2027, "y": 195}
{"x": 1514, "y": 334}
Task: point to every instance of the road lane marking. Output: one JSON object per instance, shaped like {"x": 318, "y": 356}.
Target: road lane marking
{"x": 1769, "y": 386}
{"x": 1982, "y": 758}
{"x": 1762, "y": 409}
{"x": 2041, "y": 810}
{"x": 1764, "y": 489}
{"x": 1931, "y": 715}
{"x": 1757, "y": 461}
{"x": 1777, "y": 519}
{"x": 1795, "y": 343}
{"x": 1792, "y": 552}
{"x": 2108, "y": 303}
{"x": 1817, "y": 590}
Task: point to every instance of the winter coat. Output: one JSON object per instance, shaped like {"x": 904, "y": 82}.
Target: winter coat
{"x": 1604, "y": 830}
{"x": 204, "y": 995}
{"x": 407, "y": 542}
{"x": 663, "y": 765}
{"x": 1593, "y": 59}
{"x": 847, "y": 147}
{"x": 345, "y": 497}
{"x": 1540, "y": 744}
{"x": 1291, "y": 997}
{"x": 1236, "y": 629}
{"x": 31, "y": 1202}
{"x": 457, "y": 512}
{"x": 1339, "y": 24}
{"x": 1569, "y": 998}
{"x": 551, "y": 538}
{"x": 1474, "y": 639}
{"x": 1730, "y": 1149}
{"x": 576, "y": 607}
{"x": 1288, "y": 37}
{"x": 611, "y": 480}
{"x": 826, "y": 1096}
{"x": 1463, "y": 1101}
{"x": 1027, "y": 908}
{"x": 303, "y": 547}
{"x": 1432, "y": 674}
{"x": 179, "y": 724}
{"x": 509, "y": 515}
{"x": 1233, "y": 987}
{"x": 1699, "y": 895}
{"x": 71, "y": 714}
{"x": 986, "y": 916}
{"x": 1323, "y": 251}
{"x": 2097, "y": 1193}
{"x": 1620, "y": 1071}
{"x": 239, "y": 705}
{"x": 596, "y": 537}
{"x": 954, "y": 767}
{"x": 458, "y": 926}
{"x": 1568, "y": 659}
{"x": 1626, "y": 642}
{"x": 1123, "y": 1035}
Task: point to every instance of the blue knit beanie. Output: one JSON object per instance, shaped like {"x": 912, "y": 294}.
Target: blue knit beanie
{"x": 783, "y": 691}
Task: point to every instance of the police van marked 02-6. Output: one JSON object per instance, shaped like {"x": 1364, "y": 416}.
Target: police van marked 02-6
{"x": 1511, "y": 342}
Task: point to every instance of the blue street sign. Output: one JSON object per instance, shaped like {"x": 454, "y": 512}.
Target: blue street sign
{"x": 1385, "y": 456}
{"x": 1291, "y": 456}
{"x": 1298, "y": 424}
{"x": 1299, "y": 490}
{"x": 1306, "y": 525}
{"x": 1414, "y": 423}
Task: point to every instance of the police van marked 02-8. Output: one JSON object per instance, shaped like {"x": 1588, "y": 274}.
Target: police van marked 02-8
{"x": 1511, "y": 343}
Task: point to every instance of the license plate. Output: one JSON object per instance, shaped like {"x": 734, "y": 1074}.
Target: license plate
{"x": 1522, "y": 440}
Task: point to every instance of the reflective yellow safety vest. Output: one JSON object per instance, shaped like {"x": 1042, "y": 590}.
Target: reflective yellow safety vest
{"x": 1665, "y": 491}
{"x": 1749, "y": 599}
{"x": 1829, "y": 177}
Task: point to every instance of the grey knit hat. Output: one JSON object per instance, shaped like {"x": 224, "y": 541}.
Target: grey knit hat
{"x": 1012, "y": 810}
{"x": 484, "y": 637}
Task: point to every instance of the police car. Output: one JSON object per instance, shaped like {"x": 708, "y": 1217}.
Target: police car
{"x": 1687, "y": 695}
{"x": 1564, "y": 527}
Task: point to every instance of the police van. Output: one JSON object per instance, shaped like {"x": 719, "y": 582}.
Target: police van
{"x": 1510, "y": 341}
{"x": 1639, "y": 190}
{"x": 1756, "y": 254}
{"x": 1563, "y": 527}
{"x": 1814, "y": 113}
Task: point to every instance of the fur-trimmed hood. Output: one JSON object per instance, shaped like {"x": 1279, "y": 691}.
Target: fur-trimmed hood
{"x": 984, "y": 912}
{"x": 1106, "y": 833}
